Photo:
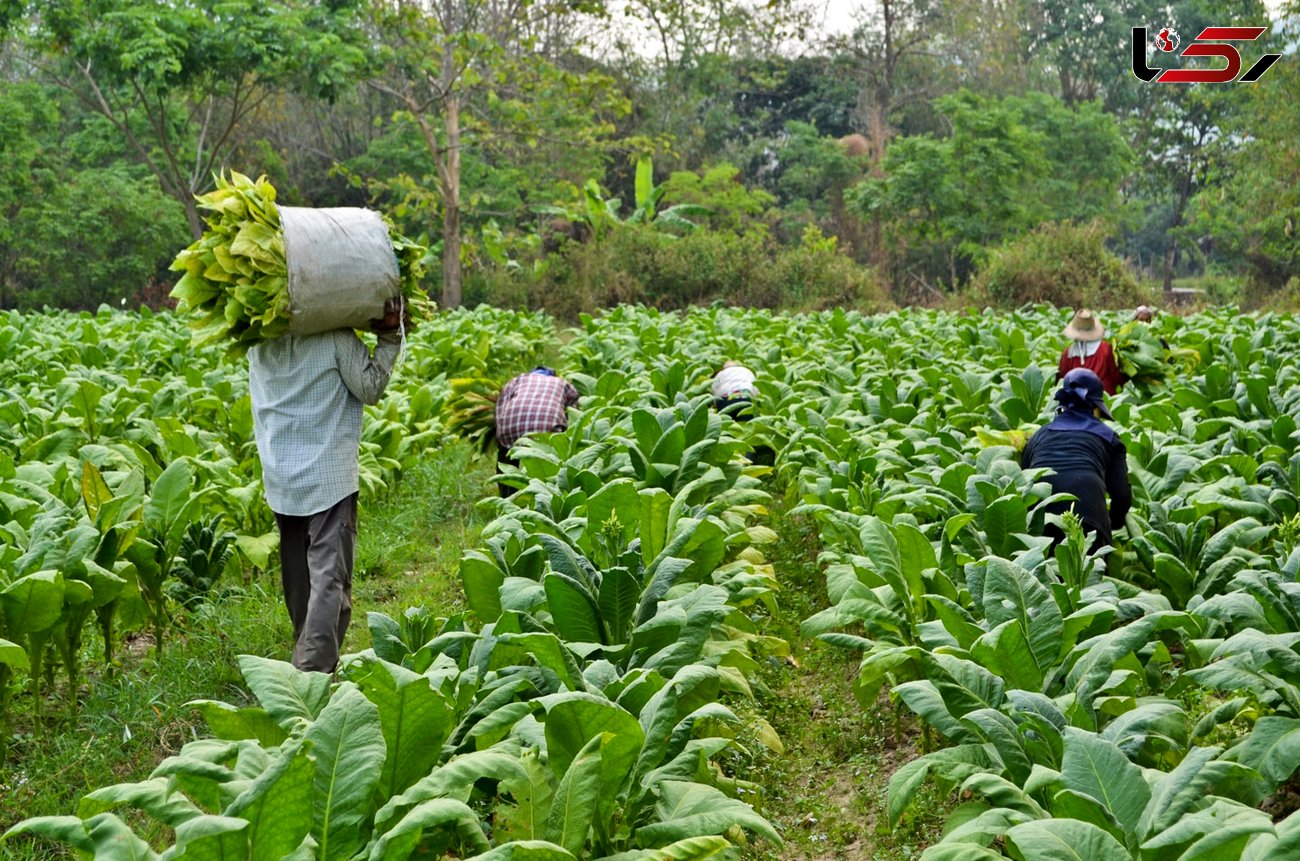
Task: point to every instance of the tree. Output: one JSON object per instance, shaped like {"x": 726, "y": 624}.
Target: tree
{"x": 1250, "y": 203}
{"x": 1009, "y": 165}
{"x": 178, "y": 79}
{"x": 688, "y": 66}
{"x": 466, "y": 74}
{"x": 1087, "y": 45}
{"x": 1181, "y": 128}
{"x": 28, "y": 120}
{"x": 77, "y": 228}
{"x": 890, "y": 35}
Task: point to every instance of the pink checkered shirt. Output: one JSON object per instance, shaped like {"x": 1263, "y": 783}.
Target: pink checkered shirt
{"x": 531, "y": 403}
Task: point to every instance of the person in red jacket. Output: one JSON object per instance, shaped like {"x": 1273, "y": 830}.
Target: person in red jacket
{"x": 1089, "y": 350}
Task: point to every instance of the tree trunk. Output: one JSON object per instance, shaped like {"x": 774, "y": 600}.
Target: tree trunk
{"x": 192, "y": 215}
{"x": 1171, "y": 253}
{"x": 451, "y": 271}
{"x": 879, "y": 130}
{"x": 1171, "y": 258}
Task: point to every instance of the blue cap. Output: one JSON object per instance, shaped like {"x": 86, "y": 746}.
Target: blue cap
{"x": 1081, "y": 388}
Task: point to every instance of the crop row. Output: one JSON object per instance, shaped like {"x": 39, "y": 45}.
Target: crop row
{"x": 129, "y": 479}
{"x": 1141, "y": 704}
{"x": 1138, "y": 706}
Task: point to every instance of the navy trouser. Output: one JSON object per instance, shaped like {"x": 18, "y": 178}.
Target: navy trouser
{"x": 316, "y": 557}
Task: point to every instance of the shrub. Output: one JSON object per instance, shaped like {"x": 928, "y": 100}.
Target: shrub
{"x": 1063, "y": 264}
{"x": 815, "y": 276}
{"x": 637, "y": 264}
{"x": 1285, "y": 300}
{"x": 101, "y": 236}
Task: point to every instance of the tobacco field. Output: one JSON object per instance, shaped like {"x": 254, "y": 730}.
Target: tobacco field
{"x": 600, "y": 690}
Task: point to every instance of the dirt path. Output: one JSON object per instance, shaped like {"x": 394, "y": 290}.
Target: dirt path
{"x": 827, "y": 793}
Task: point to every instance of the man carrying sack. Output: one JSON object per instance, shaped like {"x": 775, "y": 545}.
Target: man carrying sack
{"x": 307, "y": 393}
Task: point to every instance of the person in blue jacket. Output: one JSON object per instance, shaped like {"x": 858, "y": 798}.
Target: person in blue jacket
{"x": 1087, "y": 459}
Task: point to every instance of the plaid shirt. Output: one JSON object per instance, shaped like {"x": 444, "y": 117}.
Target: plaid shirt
{"x": 532, "y": 403}
{"x": 307, "y": 393}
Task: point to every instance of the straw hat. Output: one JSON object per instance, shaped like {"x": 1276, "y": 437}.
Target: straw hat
{"x": 1085, "y": 327}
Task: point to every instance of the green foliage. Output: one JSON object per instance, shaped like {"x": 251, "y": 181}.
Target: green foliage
{"x": 731, "y": 206}
{"x": 1058, "y": 263}
{"x": 641, "y": 265}
{"x": 1253, "y": 211}
{"x": 130, "y": 476}
{"x": 175, "y": 80}
{"x": 1008, "y": 165}
{"x": 75, "y": 233}
{"x": 1149, "y": 699}
{"x": 601, "y": 214}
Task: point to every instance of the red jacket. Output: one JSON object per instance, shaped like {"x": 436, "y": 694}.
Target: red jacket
{"x": 1102, "y": 363}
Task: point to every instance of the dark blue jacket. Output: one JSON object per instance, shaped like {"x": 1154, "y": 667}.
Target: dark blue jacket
{"x": 1089, "y": 461}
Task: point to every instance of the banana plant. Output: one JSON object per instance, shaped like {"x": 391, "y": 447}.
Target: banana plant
{"x": 601, "y": 214}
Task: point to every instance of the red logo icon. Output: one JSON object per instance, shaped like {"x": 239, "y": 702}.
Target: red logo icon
{"x": 1212, "y": 42}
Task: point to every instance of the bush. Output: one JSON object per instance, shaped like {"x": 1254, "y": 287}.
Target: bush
{"x": 1285, "y": 300}
{"x": 815, "y": 276}
{"x": 639, "y": 264}
{"x": 104, "y": 235}
{"x": 1063, "y": 264}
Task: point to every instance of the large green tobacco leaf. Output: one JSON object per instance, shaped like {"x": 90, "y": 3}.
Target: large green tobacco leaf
{"x": 482, "y": 580}
{"x": 1064, "y": 840}
{"x": 953, "y": 765}
{"x": 1013, "y": 594}
{"x": 289, "y": 695}
{"x": 1005, "y": 651}
{"x": 170, "y": 499}
{"x": 692, "y": 810}
{"x": 575, "y": 805}
{"x": 1181, "y": 789}
{"x": 33, "y": 603}
{"x": 1096, "y": 768}
{"x": 211, "y": 838}
{"x": 655, "y": 504}
{"x": 13, "y": 655}
{"x": 439, "y": 813}
{"x": 416, "y": 720}
{"x": 619, "y": 594}
{"x": 573, "y": 611}
{"x": 1272, "y": 748}
{"x": 574, "y": 719}
{"x": 156, "y": 797}
{"x": 279, "y": 805}
{"x": 456, "y": 779}
{"x": 104, "y": 836}
{"x": 347, "y": 742}
{"x": 94, "y": 491}
{"x": 232, "y": 723}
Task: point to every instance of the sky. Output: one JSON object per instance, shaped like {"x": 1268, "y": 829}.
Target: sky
{"x": 838, "y": 14}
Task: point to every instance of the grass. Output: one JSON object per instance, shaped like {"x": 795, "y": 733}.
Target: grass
{"x": 408, "y": 547}
{"x": 827, "y": 792}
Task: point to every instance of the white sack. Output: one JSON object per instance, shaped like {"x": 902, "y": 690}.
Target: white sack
{"x": 341, "y": 268}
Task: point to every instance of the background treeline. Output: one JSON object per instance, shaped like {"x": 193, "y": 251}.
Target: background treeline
{"x": 580, "y": 153}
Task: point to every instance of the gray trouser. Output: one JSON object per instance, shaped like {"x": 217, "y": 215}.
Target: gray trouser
{"x": 316, "y": 554}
